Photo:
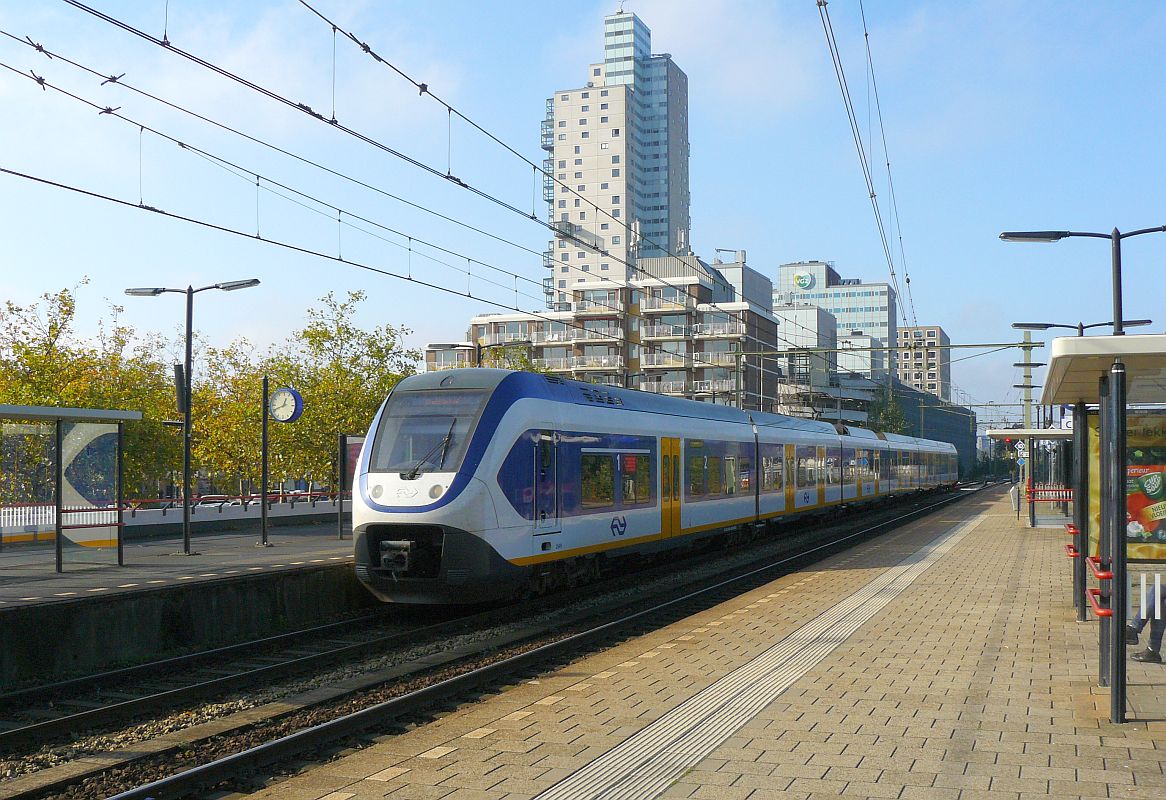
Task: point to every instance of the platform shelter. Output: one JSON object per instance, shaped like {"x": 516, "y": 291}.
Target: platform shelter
{"x": 1045, "y": 488}
{"x": 61, "y": 471}
{"x": 1117, "y": 387}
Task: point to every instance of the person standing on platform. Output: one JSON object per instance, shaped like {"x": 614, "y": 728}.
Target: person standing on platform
{"x": 1153, "y": 652}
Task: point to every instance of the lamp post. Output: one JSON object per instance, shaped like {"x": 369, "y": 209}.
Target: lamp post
{"x": 1080, "y": 327}
{"x": 1115, "y": 237}
{"x": 190, "y": 292}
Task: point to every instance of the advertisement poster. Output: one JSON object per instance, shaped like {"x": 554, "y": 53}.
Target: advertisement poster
{"x": 1145, "y": 524}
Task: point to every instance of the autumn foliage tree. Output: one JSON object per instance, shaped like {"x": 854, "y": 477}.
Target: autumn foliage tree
{"x": 343, "y": 372}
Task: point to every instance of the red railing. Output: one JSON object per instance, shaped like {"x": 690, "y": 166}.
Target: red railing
{"x": 1094, "y": 596}
{"x": 1095, "y": 567}
{"x": 1048, "y": 493}
{"x": 1071, "y": 551}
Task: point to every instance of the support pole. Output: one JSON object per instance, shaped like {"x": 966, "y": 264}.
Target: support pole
{"x": 341, "y": 473}
{"x": 263, "y": 474}
{"x": 59, "y": 494}
{"x": 1104, "y": 432}
{"x": 186, "y": 421}
{"x": 1030, "y": 464}
{"x": 1117, "y": 540}
{"x": 1081, "y": 505}
{"x": 120, "y": 493}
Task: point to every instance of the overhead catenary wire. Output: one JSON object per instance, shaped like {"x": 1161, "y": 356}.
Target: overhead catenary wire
{"x": 856, "y": 135}
{"x": 898, "y": 225}
{"x": 117, "y": 80}
{"x": 424, "y": 90}
{"x": 434, "y": 171}
{"x": 695, "y": 358}
{"x": 245, "y": 173}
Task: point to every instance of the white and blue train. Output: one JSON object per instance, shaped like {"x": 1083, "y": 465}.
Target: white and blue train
{"x": 483, "y": 484}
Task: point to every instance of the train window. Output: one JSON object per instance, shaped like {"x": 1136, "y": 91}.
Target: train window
{"x": 833, "y": 468}
{"x": 731, "y": 474}
{"x": 807, "y": 477}
{"x": 695, "y": 471}
{"x": 715, "y": 477}
{"x": 636, "y": 478}
{"x": 426, "y": 431}
{"x": 849, "y": 465}
{"x": 771, "y": 477}
{"x": 745, "y": 474}
{"x": 598, "y": 480}
{"x": 667, "y": 478}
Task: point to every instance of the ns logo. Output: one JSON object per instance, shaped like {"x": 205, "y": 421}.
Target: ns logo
{"x": 619, "y": 526}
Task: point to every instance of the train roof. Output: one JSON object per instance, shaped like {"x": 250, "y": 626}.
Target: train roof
{"x": 564, "y": 390}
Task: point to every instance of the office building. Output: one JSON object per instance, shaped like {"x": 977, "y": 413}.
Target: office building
{"x": 860, "y": 309}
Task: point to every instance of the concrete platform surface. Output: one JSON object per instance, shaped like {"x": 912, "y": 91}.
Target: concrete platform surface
{"x": 28, "y": 576}
{"x": 940, "y": 661}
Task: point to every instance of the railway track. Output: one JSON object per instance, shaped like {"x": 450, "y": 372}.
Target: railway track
{"x": 316, "y": 715}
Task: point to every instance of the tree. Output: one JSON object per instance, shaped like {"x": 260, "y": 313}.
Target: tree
{"x": 344, "y": 374}
{"x": 42, "y": 363}
{"x": 885, "y": 414}
{"x": 227, "y": 416}
{"x": 510, "y": 356}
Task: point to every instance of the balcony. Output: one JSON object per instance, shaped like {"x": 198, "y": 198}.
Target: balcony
{"x": 664, "y": 304}
{"x": 715, "y": 359}
{"x": 664, "y": 387}
{"x": 552, "y": 337}
{"x": 665, "y": 332}
{"x": 715, "y": 329}
{"x": 553, "y": 364}
{"x": 664, "y": 361}
{"x": 492, "y": 339}
{"x": 708, "y": 387}
{"x": 596, "y": 362}
{"x": 459, "y": 364}
{"x": 596, "y": 307}
{"x": 597, "y": 334}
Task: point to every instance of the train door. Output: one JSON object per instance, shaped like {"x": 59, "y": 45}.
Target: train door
{"x": 790, "y": 476}
{"x": 669, "y": 487}
{"x": 877, "y": 465}
{"x": 822, "y": 475}
{"x": 546, "y": 483}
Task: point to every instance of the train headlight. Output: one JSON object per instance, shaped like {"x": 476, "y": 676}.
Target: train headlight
{"x": 377, "y": 491}
{"x": 436, "y": 491}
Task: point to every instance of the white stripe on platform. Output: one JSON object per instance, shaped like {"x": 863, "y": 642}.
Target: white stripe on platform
{"x": 646, "y": 764}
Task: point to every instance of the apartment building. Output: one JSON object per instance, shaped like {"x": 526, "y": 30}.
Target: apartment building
{"x": 925, "y": 360}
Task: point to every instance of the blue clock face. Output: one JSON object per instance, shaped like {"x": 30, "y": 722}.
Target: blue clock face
{"x": 285, "y": 405}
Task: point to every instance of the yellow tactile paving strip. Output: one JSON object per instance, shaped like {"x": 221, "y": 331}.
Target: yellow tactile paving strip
{"x": 947, "y": 692}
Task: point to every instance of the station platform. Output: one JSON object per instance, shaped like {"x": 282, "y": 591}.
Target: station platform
{"x": 940, "y": 661}
{"x": 96, "y": 615}
{"x": 28, "y": 576}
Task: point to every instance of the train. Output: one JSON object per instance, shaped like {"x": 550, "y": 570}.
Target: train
{"x": 479, "y": 485}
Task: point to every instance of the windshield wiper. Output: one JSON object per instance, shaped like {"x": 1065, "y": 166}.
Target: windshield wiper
{"x": 443, "y": 445}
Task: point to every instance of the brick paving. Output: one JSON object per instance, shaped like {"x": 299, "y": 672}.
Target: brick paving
{"x": 975, "y": 681}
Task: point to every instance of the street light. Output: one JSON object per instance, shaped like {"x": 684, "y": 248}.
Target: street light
{"x": 190, "y": 292}
{"x": 1115, "y": 238}
{"x": 1079, "y": 327}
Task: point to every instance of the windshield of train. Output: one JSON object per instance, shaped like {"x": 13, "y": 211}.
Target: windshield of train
{"x": 426, "y": 431}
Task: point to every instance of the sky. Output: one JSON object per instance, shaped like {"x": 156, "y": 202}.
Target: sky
{"x": 997, "y": 116}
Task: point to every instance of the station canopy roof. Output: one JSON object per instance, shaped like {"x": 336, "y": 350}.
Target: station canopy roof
{"x": 1076, "y": 362}
{"x": 1031, "y": 433}
{"x": 68, "y": 414}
